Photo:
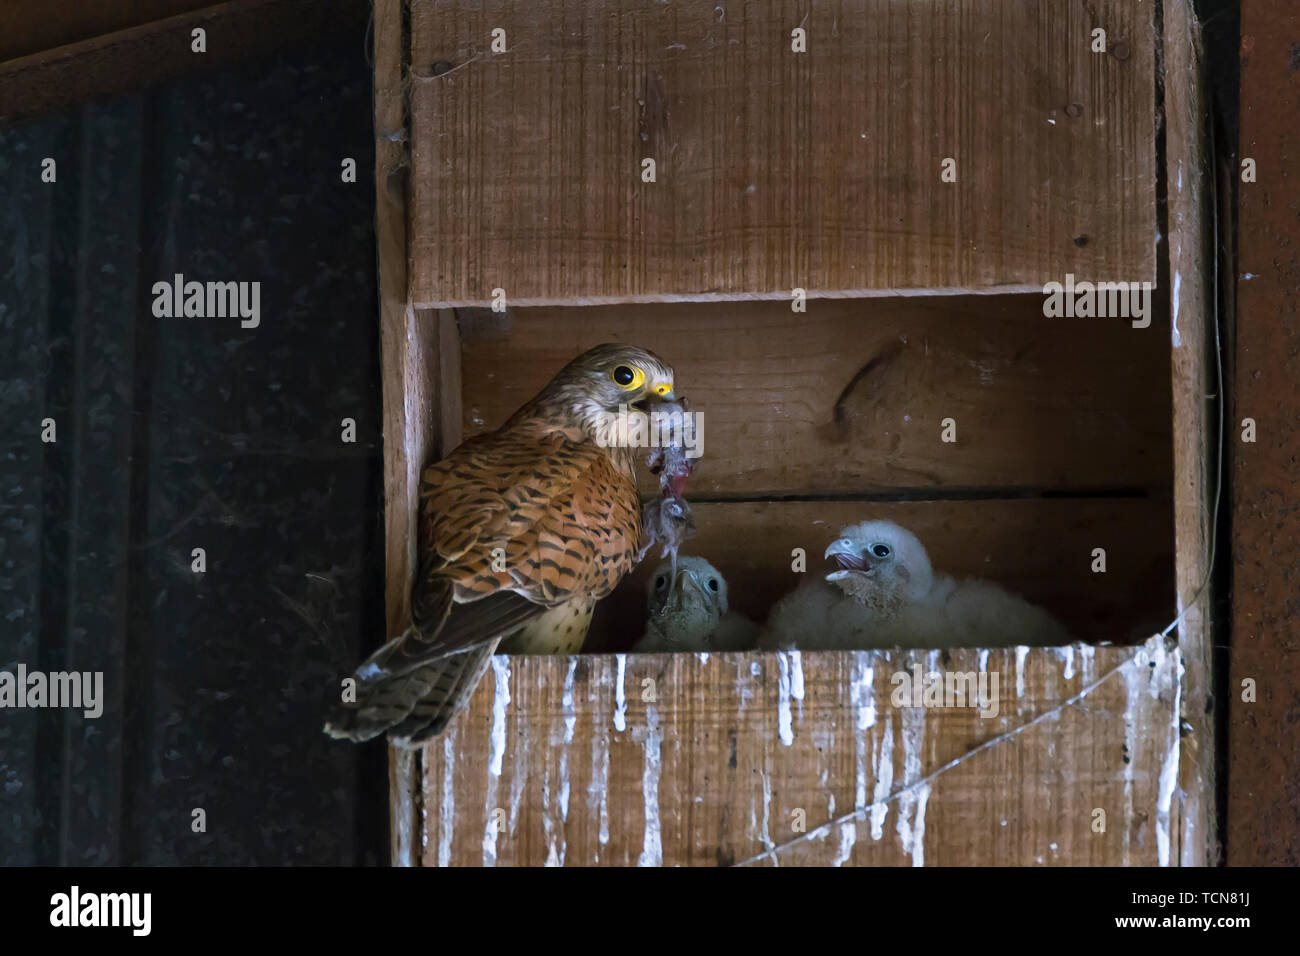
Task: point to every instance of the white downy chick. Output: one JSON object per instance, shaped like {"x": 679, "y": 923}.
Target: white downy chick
{"x": 691, "y": 614}
{"x": 885, "y": 594}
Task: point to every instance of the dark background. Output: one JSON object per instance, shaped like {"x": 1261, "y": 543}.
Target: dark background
{"x": 182, "y": 433}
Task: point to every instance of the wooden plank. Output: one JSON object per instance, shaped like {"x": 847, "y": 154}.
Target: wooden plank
{"x": 407, "y": 346}
{"x": 775, "y": 169}
{"x": 850, "y": 398}
{"x": 804, "y": 759}
{"x": 27, "y": 28}
{"x": 1195, "y": 383}
{"x": 152, "y": 52}
{"x": 1263, "y": 753}
{"x": 1039, "y": 548}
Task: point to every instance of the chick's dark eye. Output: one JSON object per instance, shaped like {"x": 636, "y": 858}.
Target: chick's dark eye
{"x": 624, "y": 375}
{"x": 880, "y": 550}
{"x": 713, "y": 584}
{"x": 661, "y": 582}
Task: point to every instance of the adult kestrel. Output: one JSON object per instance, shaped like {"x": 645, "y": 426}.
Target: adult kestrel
{"x": 521, "y": 531}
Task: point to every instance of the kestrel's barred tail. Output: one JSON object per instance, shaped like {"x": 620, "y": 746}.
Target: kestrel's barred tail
{"x": 521, "y": 531}
{"x": 416, "y": 707}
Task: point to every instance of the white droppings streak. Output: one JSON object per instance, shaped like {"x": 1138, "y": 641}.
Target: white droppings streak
{"x": 620, "y": 703}
{"x": 848, "y": 834}
{"x": 848, "y": 840}
{"x": 1170, "y": 671}
{"x": 912, "y": 733}
{"x": 447, "y": 807}
{"x": 570, "y": 712}
{"x": 765, "y": 829}
{"x": 783, "y": 701}
{"x": 918, "y": 825}
{"x": 863, "y": 689}
{"x": 1021, "y": 653}
{"x": 1132, "y": 680}
{"x": 1067, "y": 655}
{"x": 884, "y": 771}
{"x": 651, "y": 847}
{"x": 1088, "y": 664}
{"x": 597, "y": 790}
{"x": 796, "y": 678}
{"x": 548, "y": 826}
{"x": 1178, "y": 284}
{"x": 496, "y": 751}
{"x": 983, "y": 660}
{"x": 703, "y": 657}
{"x": 518, "y": 778}
{"x": 501, "y": 673}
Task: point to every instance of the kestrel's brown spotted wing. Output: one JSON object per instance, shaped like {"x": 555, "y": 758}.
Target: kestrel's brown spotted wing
{"x": 512, "y": 524}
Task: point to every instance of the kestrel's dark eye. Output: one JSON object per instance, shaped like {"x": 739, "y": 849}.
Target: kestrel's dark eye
{"x": 713, "y": 584}
{"x": 624, "y": 375}
{"x": 661, "y": 582}
{"x": 880, "y": 550}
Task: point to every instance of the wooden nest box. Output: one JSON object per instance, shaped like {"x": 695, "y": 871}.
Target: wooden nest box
{"x": 675, "y": 176}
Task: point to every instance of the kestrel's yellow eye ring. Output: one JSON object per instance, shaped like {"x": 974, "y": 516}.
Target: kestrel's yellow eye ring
{"x": 628, "y": 377}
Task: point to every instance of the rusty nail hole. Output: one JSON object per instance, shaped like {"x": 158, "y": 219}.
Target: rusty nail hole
{"x": 441, "y": 67}
{"x": 1081, "y": 241}
{"x": 1074, "y": 110}
{"x": 1120, "y": 50}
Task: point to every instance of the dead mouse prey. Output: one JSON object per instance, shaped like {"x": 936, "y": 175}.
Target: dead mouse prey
{"x": 667, "y": 520}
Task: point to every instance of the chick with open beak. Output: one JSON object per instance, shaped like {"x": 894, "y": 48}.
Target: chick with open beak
{"x": 884, "y": 593}
{"x": 881, "y": 565}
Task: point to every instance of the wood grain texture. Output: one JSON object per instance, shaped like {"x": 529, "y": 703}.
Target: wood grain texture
{"x": 1038, "y": 548}
{"x": 1195, "y": 382}
{"x": 409, "y": 346}
{"x": 150, "y": 51}
{"x": 1263, "y": 753}
{"x": 710, "y": 760}
{"x": 849, "y": 398}
{"x": 819, "y": 170}
{"x": 27, "y": 28}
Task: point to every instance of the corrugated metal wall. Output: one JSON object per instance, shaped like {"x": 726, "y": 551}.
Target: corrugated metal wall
{"x": 175, "y": 434}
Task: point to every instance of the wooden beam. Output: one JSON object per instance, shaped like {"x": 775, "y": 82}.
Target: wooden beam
{"x": 408, "y": 393}
{"x": 1191, "y": 263}
{"x": 150, "y": 53}
{"x": 27, "y": 28}
{"x": 1264, "y": 733}
{"x": 777, "y": 169}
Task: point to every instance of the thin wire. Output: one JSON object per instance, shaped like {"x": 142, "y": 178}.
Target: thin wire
{"x": 1218, "y": 468}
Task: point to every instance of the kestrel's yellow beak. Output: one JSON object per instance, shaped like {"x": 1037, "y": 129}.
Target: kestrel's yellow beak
{"x": 664, "y": 391}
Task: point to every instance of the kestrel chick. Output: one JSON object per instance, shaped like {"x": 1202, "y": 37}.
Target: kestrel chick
{"x": 691, "y": 613}
{"x": 521, "y": 531}
{"x": 885, "y": 594}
